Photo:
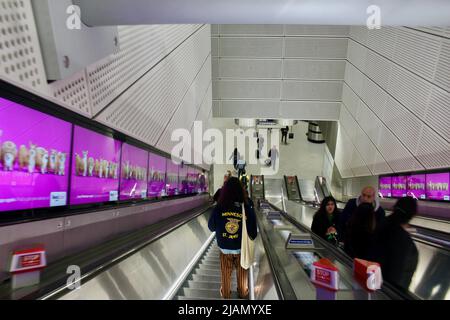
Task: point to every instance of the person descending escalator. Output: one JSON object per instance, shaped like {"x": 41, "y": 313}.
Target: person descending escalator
{"x": 226, "y": 221}
{"x": 325, "y": 220}
{"x": 368, "y": 195}
{"x": 359, "y": 237}
{"x": 284, "y": 134}
{"x": 393, "y": 247}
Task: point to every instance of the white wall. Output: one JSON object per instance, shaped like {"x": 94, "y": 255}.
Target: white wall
{"x": 396, "y": 101}
{"x": 159, "y": 80}
{"x": 278, "y": 71}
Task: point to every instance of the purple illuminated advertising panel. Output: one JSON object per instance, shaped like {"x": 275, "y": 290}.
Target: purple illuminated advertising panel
{"x": 34, "y": 158}
{"x": 133, "y": 176}
{"x": 183, "y": 179}
{"x": 171, "y": 178}
{"x": 192, "y": 180}
{"x": 95, "y": 167}
{"x": 416, "y": 186}
{"x": 399, "y": 186}
{"x": 437, "y": 187}
{"x": 385, "y": 186}
{"x": 156, "y": 176}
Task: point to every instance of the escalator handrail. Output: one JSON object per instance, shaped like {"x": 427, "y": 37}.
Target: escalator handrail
{"x": 121, "y": 257}
{"x": 282, "y": 283}
{"x": 387, "y": 288}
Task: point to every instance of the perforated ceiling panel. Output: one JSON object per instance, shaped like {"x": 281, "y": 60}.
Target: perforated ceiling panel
{"x": 442, "y": 75}
{"x": 439, "y": 31}
{"x": 73, "y": 91}
{"x": 21, "y": 59}
{"x": 433, "y": 151}
{"x": 141, "y": 47}
{"x": 350, "y": 99}
{"x": 410, "y": 90}
{"x": 145, "y": 109}
{"x": 342, "y": 158}
{"x": 185, "y": 114}
{"x": 396, "y": 155}
{"x": 404, "y": 124}
{"x": 19, "y": 45}
{"x": 418, "y": 52}
{"x": 357, "y": 55}
{"x": 383, "y": 41}
{"x": 359, "y": 34}
{"x": 438, "y": 112}
{"x": 408, "y": 96}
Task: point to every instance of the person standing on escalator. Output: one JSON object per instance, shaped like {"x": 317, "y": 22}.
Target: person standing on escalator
{"x": 394, "y": 248}
{"x": 325, "y": 220}
{"x": 226, "y": 221}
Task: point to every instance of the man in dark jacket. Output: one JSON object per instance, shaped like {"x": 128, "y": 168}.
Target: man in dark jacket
{"x": 393, "y": 247}
{"x": 367, "y": 196}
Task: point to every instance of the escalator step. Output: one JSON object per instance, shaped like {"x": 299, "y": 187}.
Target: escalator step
{"x": 201, "y": 293}
{"x": 205, "y": 294}
{"x": 210, "y": 272}
{"x": 201, "y": 277}
{"x": 203, "y": 285}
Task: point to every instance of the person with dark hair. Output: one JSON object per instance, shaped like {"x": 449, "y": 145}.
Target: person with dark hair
{"x": 368, "y": 195}
{"x": 325, "y": 220}
{"x": 284, "y": 134}
{"x": 360, "y": 232}
{"x": 226, "y": 221}
{"x": 235, "y": 156}
{"x": 393, "y": 247}
{"x": 225, "y": 178}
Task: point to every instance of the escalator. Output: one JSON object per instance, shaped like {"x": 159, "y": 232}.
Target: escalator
{"x": 177, "y": 260}
{"x": 430, "y": 281}
{"x": 204, "y": 281}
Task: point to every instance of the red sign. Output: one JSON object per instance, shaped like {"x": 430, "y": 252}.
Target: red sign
{"x": 31, "y": 260}
{"x": 28, "y": 260}
{"x": 323, "y": 276}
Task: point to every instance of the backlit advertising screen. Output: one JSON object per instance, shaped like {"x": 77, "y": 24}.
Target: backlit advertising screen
{"x": 95, "y": 168}
{"x": 156, "y": 176}
{"x": 133, "y": 176}
{"x": 437, "y": 187}
{"x": 34, "y": 158}
{"x": 399, "y": 186}
{"x": 192, "y": 180}
{"x": 171, "y": 178}
{"x": 385, "y": 186}
{"x": 183, "y": 180}
{"x": 416, "y": 186}
{"x": 202, "y": 182}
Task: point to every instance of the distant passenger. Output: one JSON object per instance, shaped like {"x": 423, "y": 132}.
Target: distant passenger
{"x": 225, "y": 178}
{"x": 202, "y": 181}
{"x": 393, "y": 247}
{"x": 273, "y": 155}
{"x": 325, "y": 220}
{"x": 284, "y": 134}
{"x": 368, "y": 195}
{"x": 359, "y": 237}
{"x": 226, "y": 221}
{"x": 235, "y": 156}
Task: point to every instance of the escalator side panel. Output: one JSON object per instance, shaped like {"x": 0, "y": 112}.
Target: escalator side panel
{"x": 151, "y": 272}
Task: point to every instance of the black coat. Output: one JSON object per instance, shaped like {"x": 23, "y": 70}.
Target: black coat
{"x": 217, "y": 195}
{"x": 347, "y": 213}
{"x": 321, "y": 223}
{"x": 396, "y": 252}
